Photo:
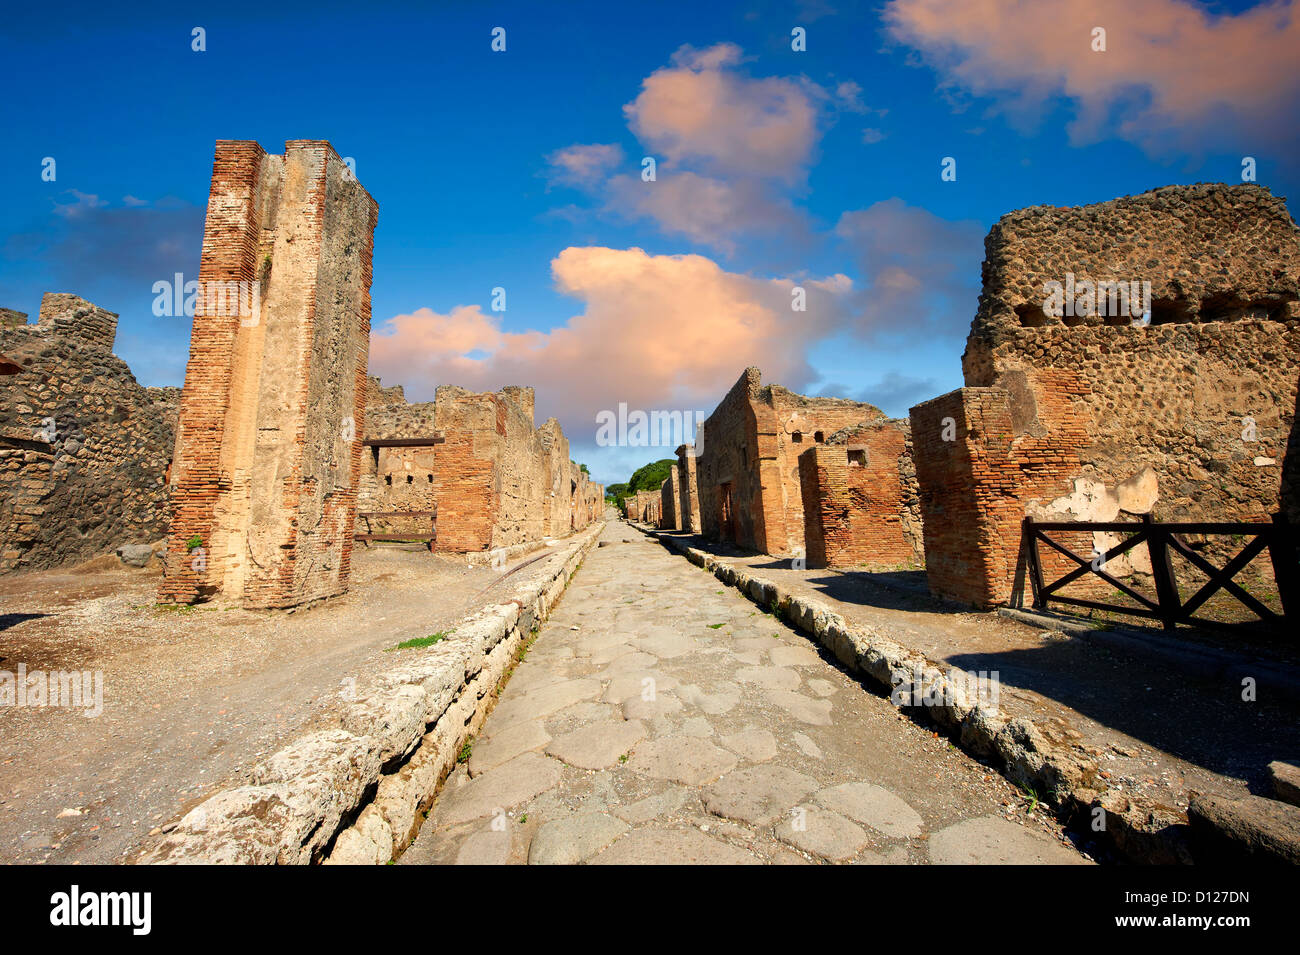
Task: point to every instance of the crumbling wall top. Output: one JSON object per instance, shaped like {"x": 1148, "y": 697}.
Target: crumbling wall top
{"x": 72, "y": 318}
{"x": 1210, "y": 251}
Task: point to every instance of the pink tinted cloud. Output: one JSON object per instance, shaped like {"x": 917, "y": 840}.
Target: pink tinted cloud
{"x": 656, "y": 331}
{"x": 704, "y": 209}
{"x": 702, "y": 110}
{"x": 585, "y": 164}
{"x": 1171, "y": 73}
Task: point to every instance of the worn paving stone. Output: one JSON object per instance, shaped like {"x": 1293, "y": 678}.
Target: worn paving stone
{"x": 667, "y": 646}
{"x": 597, "y": 745}
{"x": 501, "y": 747}
{"x": 802, "y": 708}
{"x": 823, "y": 688}
{"x": 990, "y": 840}
{"x": 542, "y": 702}
{"x": 572, "y": 840}
{"x": 874, "y": 806}
{"x": 489, "y": 847}
{"x": 663, "y": 704}
{"x": 513, "y": 782}
{"x": 682, "y": 759}
{"x": 786, "y": 655}
{"x": 776, "y": 678}
{"x": 636, "y": 685}
{"x": 658, "y": 806}
{"x": 720, "y": 701}
{"x": 759, "y": 794}
{"x": 698, "y": 727}
{"x": 807, "y": 746}
{"x": 672, "y": 847}
{"x": 752, "y": 743}
{"x": 822, "y": 833}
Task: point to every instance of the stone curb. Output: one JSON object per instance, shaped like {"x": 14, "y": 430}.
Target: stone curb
{"x": 1061, "y": 774}
{"x": 357, "y": 794}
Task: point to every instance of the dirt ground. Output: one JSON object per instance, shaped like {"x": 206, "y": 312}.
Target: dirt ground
{"x": 1158, "y": 730}
{"x": 190, "y": 697}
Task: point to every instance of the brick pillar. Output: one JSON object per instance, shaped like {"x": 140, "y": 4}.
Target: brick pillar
{"x": 268, "y": 448}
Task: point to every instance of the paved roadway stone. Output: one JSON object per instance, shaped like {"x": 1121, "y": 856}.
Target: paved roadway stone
{"x": 683, "y": 759}
{"x": 748, "y": 724}
{"x": 991, "y": 840}
{"x": 759, "y": 794}
{"x": 513, "y": 782}
{"x": 504, "y": 746}
{"x": 570, "y": 841}
{"x": 823, "y": 833}
{"x": 672, "y": 847}
{"x": 874, "y": 806}
{"x": 597, "y": 745}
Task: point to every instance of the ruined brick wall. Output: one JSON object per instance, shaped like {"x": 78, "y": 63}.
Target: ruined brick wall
{"x": 268, "y": 454}
{"x": 84, "y": 449}
{"x": 1094, "y": 417}
{"x": 689, "y": 491}
{"x": 861, "y": 503}
{"x": 494, "y": 481}
{"x": 748, "y": 470}
{"x": 727, "y": 468}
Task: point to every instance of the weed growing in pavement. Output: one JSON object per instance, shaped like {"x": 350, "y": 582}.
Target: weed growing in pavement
{"x": 428, "y": 641}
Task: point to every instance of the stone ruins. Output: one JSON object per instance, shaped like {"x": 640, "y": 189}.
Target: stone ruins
{"x": 1097, "y": 417}
{"x": 252, "y": 476}
{"x": 492, "y": 480}
{"x": 84, "y": 449}
{"x": 823, "y": 478}
{"x": 268, "y": 449}
{"x": 1105, "y": 380}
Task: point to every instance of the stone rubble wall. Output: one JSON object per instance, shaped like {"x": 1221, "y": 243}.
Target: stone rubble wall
{"x": 84, "y": 449}
{"x": 1188, "y": 418}
{"x": 357, "y": 793}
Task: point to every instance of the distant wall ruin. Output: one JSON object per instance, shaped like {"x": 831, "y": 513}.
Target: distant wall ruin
{"x": 1189, "y": 415}
{"x": 747, "y": 472}
{"x": 670, "y": 493}
{"x": 268, "y": 451}
{"x": 494, "y": 481}
{"x": 84, "y": 449}
{"x": 860, "y": 498}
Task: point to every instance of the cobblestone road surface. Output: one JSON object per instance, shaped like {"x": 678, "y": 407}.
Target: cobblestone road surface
{"x": 662, "y": 718}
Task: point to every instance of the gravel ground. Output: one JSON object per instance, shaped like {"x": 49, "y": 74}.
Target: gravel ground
{"x": 190, "y": 698}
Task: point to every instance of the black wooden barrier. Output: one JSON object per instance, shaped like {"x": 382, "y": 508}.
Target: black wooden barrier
{"x": 1162, "y": 540}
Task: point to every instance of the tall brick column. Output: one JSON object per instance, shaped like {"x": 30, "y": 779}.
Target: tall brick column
{"x": 268, "y": 447}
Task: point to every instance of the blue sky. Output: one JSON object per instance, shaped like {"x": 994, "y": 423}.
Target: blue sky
{"x": 775, "y": 168}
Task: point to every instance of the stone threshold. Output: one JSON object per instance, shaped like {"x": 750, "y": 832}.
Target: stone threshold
{"x": 1133, "y": 830}
{"x": 358, "y": 794}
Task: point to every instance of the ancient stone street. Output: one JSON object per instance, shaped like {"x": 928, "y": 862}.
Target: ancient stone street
{"x": 660, "y": 717}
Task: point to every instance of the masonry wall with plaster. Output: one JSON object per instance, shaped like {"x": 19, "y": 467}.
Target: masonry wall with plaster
{"x": 1096, "y": 417}
{"x": 84, "y": 449}
{"x": 747, "y": 465}
{"x": 494, "y": 481}
{"x": 268, "y": 450}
